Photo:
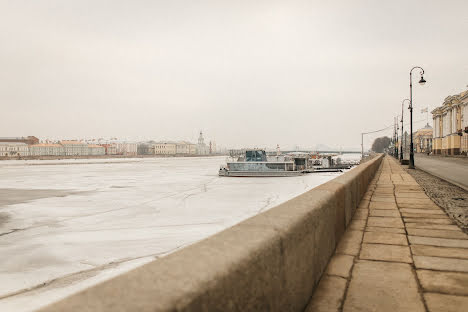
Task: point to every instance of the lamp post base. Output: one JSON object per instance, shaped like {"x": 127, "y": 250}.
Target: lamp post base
{"x": 411, "y": 162}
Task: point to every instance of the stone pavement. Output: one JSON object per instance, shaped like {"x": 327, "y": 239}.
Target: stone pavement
{"x": 400, "y": 253}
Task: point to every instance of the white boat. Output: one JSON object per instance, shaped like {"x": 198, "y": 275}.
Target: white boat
{"x": 255, "y": 163}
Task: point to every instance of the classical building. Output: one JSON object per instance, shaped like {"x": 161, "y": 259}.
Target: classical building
{"x": 165, "y": 148}
{"x": 75, "y": 148}
{"x": 126, "y": 148}
{"x": 186, "y": 148}
{"x": 10, "y": 149}
{"x": 451, "y": 126}
{"x": 96, "y": 150}
{"x": 46, "y": 149}
{"x": 110, "y": 149}
{"x": 423, "y": 140}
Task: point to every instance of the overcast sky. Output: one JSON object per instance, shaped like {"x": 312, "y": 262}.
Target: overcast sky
{"x": 247, "y": 73}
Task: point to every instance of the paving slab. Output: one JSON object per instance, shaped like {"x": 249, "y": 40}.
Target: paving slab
{"x": 453, "y": 283}
{"x": 424, "y": 215}
{"x": 435, "y": 251}
{"x": 421, "y": 195}
{"x": 328, "y": 295}
{"x": 350, "y": 243}
{"x": 385, "y": 238}
{"x": 429, "y": 211}
{"x": 457, "y": 234}
{"x": 382, "y": 205}
{"x": 385, "y": 213}
{"x": 420, "y": 205}
{"x": 434, "y": 241}
{"x": 441, "y": 264}
{"x": 450, "y": 227}
{"x": 382, "y": 199}
{"x": 385, "y": 252}
{"x": 428, "y": 221}
{"x": 408, "y": 188}
{"x": 340, "y": 265}
{"x": 385, "y": 229}
{"x": 445, "y": 303}
{"x": 385, "y": 221}
{"x": 415, "y": 201}
{"x": 383, "y": 286}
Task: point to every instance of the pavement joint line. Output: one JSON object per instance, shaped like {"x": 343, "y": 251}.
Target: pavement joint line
{"x": 413, "y": 266}
{"x": 355, "y": 258}
{"x": 363, "y": 242}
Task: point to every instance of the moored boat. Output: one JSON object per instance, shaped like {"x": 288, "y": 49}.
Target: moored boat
{"x": 255, "y": 163}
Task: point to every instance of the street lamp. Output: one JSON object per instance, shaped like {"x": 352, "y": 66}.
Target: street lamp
{"x": 395, "y": 129}
{"x": 401, "y": 138}
{"x": 421, "y": 82}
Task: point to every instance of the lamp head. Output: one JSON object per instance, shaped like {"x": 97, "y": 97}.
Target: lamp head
{"x": 422, "y": 81}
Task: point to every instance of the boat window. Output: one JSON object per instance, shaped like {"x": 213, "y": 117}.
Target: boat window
{"x": 255, "y": 156}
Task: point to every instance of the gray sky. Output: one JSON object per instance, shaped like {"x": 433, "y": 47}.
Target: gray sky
{"x": 249, "y": 73}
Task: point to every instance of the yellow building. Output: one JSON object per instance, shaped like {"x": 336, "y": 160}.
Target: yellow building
{"x": 451, "y": 126}
{"x": 165, "y": 148}
{"x": 423, "y": 140}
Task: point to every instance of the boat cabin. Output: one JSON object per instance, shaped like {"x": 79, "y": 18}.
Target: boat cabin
{"x": 255, "y": 155}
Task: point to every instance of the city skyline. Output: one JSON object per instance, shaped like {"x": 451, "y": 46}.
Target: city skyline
{"x": 252, "y": 74}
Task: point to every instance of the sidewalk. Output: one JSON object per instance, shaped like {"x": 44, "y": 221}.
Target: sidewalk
{"x": 400, "y": 253}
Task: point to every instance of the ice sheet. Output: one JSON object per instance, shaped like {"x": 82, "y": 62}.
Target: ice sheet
{"x": 96, "y": 219}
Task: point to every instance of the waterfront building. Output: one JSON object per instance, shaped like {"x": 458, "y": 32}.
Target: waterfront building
{"x": 110, "y": 149}
{"x": 165, "y": 148}
{"x": 451, "y": 126}
{"x": 96, "y": 150}
{"x": 145, "y": 149}
{"x": 12, "y": 149}
{"x": 423, "y": 139}
{"x": 75, "y": 148}
{"x": 46, "y": 149}
{"x": 126, "y": 148}
{"x": 186, "y": 148}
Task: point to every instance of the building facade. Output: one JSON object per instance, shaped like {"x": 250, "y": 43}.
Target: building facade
{"x": 110, "y": 149}
{"x": 96, "y": 150}
{"x": 451, "y": 126}
{"x": 423, "y": 140}
{"x": 186, "y": 148}
{"x": 75, "y": 148}
{"x": 12, "y": 149}
{"x": 46, "y": 149}
{"x": 165, "y": 148}
{"x": 126, "y": 148}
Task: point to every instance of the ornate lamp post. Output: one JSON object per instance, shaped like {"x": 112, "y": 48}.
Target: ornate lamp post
{"x": 401, "y": 137}
{"x": 421, "y": 82}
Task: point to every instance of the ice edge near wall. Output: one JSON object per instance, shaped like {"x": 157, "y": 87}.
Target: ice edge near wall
{"x": 271, "y": 261}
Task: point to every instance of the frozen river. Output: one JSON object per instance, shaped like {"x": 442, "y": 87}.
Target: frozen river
{"x": 67, "y": 224}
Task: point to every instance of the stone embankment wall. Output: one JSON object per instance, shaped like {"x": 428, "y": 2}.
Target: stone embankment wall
{"x": 270, "y": 262}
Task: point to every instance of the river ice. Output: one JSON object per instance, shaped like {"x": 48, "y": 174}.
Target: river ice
{"x": 68, "y": 224}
